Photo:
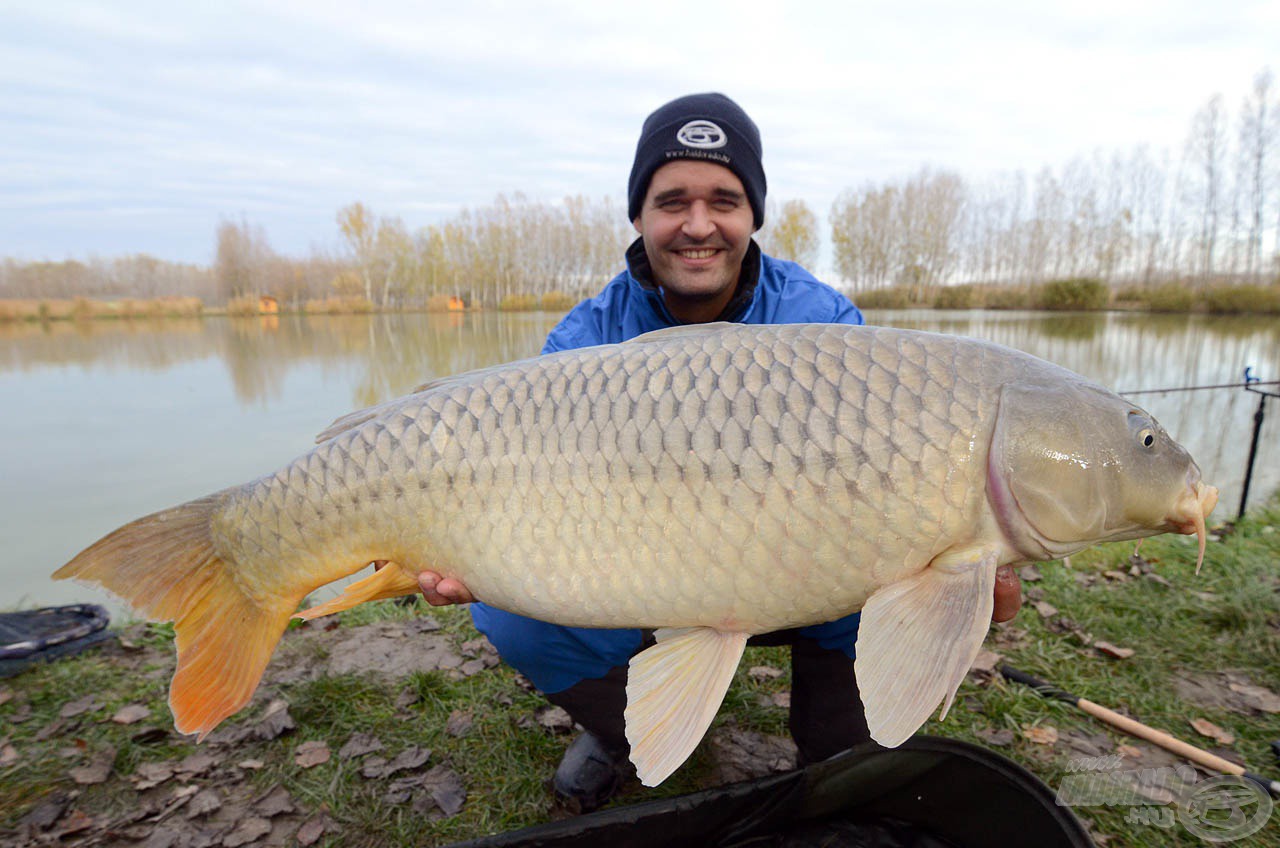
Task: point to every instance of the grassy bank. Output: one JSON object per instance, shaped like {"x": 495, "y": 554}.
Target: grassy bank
{"x": 1082, "y": 294}
{"x": 463, "y": 747}
{"x": 1059, "y": 295}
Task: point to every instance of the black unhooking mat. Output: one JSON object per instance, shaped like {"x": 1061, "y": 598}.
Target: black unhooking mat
{"x": 928, "y": 793}
{"x": 33, "y": 636}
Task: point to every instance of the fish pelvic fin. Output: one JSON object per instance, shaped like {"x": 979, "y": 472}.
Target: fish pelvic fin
{"x": 917, "y": 639}
{"x": 165, "y": 567}
{"x": 673, "y": 692}
{"x": 390, "y": 581}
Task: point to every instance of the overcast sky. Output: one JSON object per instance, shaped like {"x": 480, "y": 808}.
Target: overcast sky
{"x": 136, "y": 126}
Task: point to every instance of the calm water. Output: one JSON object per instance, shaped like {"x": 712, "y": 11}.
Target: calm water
{"x": 104, "y": 422}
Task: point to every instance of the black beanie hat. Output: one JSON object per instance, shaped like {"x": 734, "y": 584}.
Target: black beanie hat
{"x": 710, "y": 127}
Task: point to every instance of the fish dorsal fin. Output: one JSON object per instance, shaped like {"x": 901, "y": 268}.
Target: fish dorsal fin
{"x": 673, "y": 692}
{"x": 349, "y": 422}
{"x": 917, "y": 639}
{"x": 682, "y": 331}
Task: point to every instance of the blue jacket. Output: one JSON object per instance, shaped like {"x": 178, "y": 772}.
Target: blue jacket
{"x": 781, "y": 293}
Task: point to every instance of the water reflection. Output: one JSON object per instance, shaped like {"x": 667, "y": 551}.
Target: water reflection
{"x": 104, "y": 421}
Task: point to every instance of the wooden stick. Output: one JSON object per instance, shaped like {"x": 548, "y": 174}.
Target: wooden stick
{"x": 1136, "y": 728}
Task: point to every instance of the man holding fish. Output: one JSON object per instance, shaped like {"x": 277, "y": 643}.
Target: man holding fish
{"x": 715, "y": 481}
{"x": 695, "y": 196}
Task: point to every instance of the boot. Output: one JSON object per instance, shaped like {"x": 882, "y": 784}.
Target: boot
{"x": 594, "y": 764}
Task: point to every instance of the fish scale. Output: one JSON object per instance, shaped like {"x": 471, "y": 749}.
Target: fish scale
{"x": 710, "y": 481}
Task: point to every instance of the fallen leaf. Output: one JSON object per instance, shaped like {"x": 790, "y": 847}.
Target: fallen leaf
{"x": 249, "y": 830}
{"x": 1118, "y": 576}
{"x": 44, "y": 814}
{"x": 1043, "y": 734}
{"x": 1114, "y": 651}
{"x": 1207, "y": 728}
{"x": 195, "y": 765}
{"x": 1129, "y": 751}
{"x": 459, "y": 723}
{"x": 275, "y": 722}
{"x": 252, "y": 765}
{"x": 781, "y": 699}
{"x": 312, "y": 829}
{"x": 96, "y": 771}
{"x": 374, "y": 767}
{"x": 358, "y": 745}
{"x": 51, "y": 730}
{"x": 553, "y": 718}
{"x": 1158, "y": 578}
{"x": 764, "y": 672}
{"x": 80, "y": 706}
{"x": 131, "y": 714}
{"x": 275, "y": 802}
{"x": 410, "y": 758}
{"x": 6, "y": 695}
{"x": 1000, "y": 738}
{"x": 446, "y": 789}
{"x": 76, "y": 821}
{"x": 8, "y": 755}
{"x": 147, "y": 775}
{"x": 985, "y": 662}
{"x": 311, "y": 754}
{"x": 1030, "y": 573}
{"x": 203, "y": 803}
{"x": 1263, "y": 700}
{"x": 1046, "y": 609}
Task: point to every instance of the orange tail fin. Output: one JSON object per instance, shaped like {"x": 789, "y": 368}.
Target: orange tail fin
{"x": 165, "y": 567}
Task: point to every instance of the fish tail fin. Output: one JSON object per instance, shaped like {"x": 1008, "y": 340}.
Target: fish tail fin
{"x": 390, "y": 581}
{"x": 165, "y": 566}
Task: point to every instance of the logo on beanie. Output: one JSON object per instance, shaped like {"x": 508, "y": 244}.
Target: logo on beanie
{"x": 702, "y": 135}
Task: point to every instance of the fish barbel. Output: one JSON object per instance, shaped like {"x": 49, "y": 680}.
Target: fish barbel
{"x": 712, "y": 481}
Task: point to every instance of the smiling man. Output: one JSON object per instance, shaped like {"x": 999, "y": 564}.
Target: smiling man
{"x": 695, "y": 196}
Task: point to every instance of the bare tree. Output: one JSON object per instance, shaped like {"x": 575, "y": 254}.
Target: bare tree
{"x": 791, "y": 233}
{"x": 1257, "y": 138}
{"x": 1206, "y": 148}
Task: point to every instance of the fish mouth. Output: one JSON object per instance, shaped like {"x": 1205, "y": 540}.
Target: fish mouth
{"x": 1189, "y": 514}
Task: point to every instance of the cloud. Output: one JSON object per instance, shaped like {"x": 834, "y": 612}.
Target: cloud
{"x": 126, "y": 128}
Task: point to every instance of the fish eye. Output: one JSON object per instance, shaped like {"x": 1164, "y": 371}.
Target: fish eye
{"x": 1143, "y": 429}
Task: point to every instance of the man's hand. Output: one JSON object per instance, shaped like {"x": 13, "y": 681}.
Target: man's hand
{"x": 439, "y": 591}
{"x": 1008, "y": 594}
{"x": 443, "y": 591}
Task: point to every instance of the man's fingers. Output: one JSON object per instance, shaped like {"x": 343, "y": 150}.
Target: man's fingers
{"x": 1008, "y": 598}
{"x": 443, "y": 591}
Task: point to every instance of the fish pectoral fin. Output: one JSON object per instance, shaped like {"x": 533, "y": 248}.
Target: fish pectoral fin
{"x": 917, "y": 639}
{"x": 673, "y": 692}
{"x": 390, "y": 581}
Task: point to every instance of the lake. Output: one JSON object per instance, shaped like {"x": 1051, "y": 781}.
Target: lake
{"x": 106, "y": 421}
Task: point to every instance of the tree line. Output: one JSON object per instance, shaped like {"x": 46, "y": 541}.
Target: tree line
{"x": 1211, "y": 213}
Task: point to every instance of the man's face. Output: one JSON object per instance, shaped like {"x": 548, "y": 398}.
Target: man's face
{"x": 696, "y": 224}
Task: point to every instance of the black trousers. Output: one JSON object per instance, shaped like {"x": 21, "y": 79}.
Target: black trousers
{"x": 826, "y": 711}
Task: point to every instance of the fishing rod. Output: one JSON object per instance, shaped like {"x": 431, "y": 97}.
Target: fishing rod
{"x": 1136, "y": 728}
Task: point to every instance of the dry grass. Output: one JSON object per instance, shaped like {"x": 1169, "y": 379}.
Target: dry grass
{"x": 345, "y": 305}
{"x": 83, "y": 308}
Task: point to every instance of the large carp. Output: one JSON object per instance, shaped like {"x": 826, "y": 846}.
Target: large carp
{"x": 714, "y": 481}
